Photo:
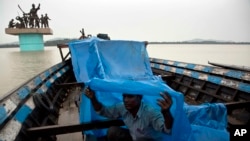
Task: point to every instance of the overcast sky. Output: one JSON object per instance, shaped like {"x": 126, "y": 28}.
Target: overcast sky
{"x": 151, "y": 20}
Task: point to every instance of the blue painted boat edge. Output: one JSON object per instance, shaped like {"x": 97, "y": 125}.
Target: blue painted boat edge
{"x": 206, "y": 77}
{"x": 208, "y": 69}
{"x": 23, "y": 112}
{"x": 15, "y": 122}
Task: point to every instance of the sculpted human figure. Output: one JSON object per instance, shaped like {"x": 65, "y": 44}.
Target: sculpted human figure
{"x": 26, "y": 20}
{"x": 37, "y": 22}
{"x": 42, "y": 20}
{"x": 21, "y": 22}
{"x": 11, "y": 23}
{"x": 46, "y": 18}
{"x": 83, "y": 34}
{"x": 33, "y": 14}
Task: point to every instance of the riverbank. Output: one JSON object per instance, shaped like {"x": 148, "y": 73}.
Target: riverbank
{"x": 66, "y": 40}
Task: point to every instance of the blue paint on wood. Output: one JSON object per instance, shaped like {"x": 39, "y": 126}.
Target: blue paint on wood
{"x": 244, "y": 87}
{"x": 22, "y": 113}
{"x": 54, "y": 77}
{"x": 23, "y": 92}
{"x": 180, "y": 71}
{"x": 46, "y": 73}
{"x": 165, "y": 61}
{"x": 40, "y": 91}
{"x": 37, "y": 81}
{"x": 235, "y": 74}
{"x": 157, "y": 65}
{"x": 48, "y": 84}
{"x": 207, "y": 69}
{"x": 3, "y": 114}
{"x": 191, "y": 66}
{"x": 175, "y": 64}
{"x": 195, "y": 75}
{"x": 61, "y": 71}
{"x": 214, "y": 79}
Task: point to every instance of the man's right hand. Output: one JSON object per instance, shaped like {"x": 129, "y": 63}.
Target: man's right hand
{"x": 89, "y": 93}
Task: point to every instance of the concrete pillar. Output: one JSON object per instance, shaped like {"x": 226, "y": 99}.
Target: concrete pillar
{"x": 31, "y": 42}
{"x": 30, "y": 39}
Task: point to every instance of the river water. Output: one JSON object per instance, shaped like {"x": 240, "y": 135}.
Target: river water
{"x": 16, "y": 67}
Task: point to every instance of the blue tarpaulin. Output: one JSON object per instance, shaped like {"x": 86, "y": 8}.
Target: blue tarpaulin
{"x": 113, "y": 67}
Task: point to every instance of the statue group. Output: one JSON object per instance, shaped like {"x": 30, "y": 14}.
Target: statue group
{"x": 30, "y": 20}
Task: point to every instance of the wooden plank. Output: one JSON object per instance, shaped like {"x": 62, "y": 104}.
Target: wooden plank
{"x": 64, "y": 129}
{"x": 234, "y": 105}
{"x": 62, "y": 45}
{"x": 67, "y": 85}
{"x": 69, "y": 115}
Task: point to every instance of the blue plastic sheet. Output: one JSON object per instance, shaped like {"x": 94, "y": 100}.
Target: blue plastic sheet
{"x": 114, "y": 67}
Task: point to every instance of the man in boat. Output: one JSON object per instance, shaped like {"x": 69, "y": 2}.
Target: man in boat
{"x": 144, "y": 123}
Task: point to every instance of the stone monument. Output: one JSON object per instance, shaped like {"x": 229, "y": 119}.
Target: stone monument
{"x": 30, "y": 29}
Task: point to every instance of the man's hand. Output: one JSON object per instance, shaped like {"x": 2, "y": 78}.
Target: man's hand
{"x": 165, "y": 105}
{"x": 166, "y": 102}
{"x": 89, "y": 93}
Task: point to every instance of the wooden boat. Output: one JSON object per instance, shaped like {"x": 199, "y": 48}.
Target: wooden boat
{"x": 46, "y": 106}
{"x": 235, "y": 67}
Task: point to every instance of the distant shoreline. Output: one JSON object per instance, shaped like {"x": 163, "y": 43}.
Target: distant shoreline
{"x": 245, "y": 43}
{"x": 47, "y": 43}
{"x": 55, "y": 42}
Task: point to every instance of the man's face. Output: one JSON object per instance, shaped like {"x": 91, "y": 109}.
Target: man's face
{"x": 131, "y": 101}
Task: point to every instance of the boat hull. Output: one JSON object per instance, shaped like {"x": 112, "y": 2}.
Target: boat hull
{"x": 32, "y": 111}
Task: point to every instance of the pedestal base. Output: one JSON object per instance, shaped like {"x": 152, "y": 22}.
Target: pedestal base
{"x": 31, "y": 42}
{"x": 30, "y": 39}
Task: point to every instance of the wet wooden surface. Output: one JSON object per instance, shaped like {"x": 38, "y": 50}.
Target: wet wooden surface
{"x": 69, "y": 115}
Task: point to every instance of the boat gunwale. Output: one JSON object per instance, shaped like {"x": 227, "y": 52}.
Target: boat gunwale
{"x": 58, "y": 67}
{"x": 12, "y": 91}
{"x": 202, "y": 75}
{"x": 225, "y": 72}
